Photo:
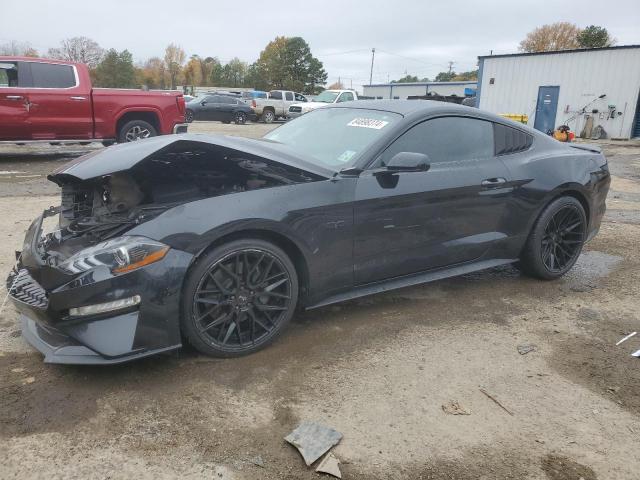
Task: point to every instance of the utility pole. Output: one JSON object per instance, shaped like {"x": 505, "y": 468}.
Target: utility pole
{"x": 450, "y": 66}
{"x": 373, "y": 55}
{"x": 339, "y": 83}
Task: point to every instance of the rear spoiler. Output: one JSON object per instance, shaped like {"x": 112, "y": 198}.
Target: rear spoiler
{"x": 589, "y": 147}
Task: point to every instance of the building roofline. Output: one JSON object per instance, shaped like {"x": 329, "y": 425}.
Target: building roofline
{"x": 554, "y": 52}
{"x": 423, "y": 84}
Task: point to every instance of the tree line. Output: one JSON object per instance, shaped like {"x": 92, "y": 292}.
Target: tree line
{"x": 285, "y": 63}
{"x": 547, "y": 38}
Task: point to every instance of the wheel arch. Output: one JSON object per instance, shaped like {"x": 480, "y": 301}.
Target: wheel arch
{"x": 279, "y": 239}
{"x": 148, "y": 116}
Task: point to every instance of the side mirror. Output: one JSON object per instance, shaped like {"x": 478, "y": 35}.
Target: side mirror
{"x": 203, "y": 103}
{"x": 408, "y": 162}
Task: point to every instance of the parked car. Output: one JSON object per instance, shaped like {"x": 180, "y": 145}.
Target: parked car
{"x": 321, "y": 100}
{"x": 223, "y": 108}
{"x": 218, "y": 239}
{"x": 276, "y": 106}
{"x": 53, "y": 100}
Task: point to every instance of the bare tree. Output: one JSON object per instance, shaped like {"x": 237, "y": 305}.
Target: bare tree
{"x": 556, "y": 36}
{"x": 18, "y": 49}
{"x": 78, "y": 49}
{"x": 174, "y": 57}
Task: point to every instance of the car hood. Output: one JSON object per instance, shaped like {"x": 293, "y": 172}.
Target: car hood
{"x": 119, "y": 158}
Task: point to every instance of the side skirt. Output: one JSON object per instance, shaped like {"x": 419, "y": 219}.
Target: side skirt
{"x": 413, "y": 279}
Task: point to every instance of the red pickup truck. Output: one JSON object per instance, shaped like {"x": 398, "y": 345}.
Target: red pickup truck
{"x": 53, "y": 101}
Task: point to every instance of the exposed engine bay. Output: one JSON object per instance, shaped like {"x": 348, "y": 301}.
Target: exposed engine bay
{"x": 107, "y": 206}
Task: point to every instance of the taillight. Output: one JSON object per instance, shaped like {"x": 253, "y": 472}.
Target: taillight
{"x": 180, "y": 103}
{"x": 253, "y": 103}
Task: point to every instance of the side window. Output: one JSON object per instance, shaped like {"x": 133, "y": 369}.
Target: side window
{"x": 228, "y": 100}
{"x": 346, "y": 97}
{"x": 446, "y": 139}
{"x": 48, "y": 75}
{"x": 510, "y": 140}
{"x": 300, "y": 98}
{"x": 211, "y": 99}
{"x": 8, "y": 75}
{"x": 288, "y": 96}
{"x": 276, "y": 95}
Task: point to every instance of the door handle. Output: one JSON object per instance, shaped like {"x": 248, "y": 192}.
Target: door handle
{"x": 493, "y": 182}
{"x": 78, "y": 98}
{"x": 14, "y": 97}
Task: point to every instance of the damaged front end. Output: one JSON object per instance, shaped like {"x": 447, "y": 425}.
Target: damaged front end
{"x": 89, "y": 292}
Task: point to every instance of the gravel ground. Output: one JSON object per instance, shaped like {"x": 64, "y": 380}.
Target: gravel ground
{"x": 377, "y": 369}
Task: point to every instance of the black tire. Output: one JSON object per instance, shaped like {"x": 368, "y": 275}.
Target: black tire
{"x": 240, "y": 118}
{"x": 268, "y": 116}
{"x": 223, "y": 311}
{"x": 136, "y": 130}
{"x": 108, "y": 143}
{"x": 556, "y": 240}
{"x": 226, "y": 122}
{"x": 188, "y": 116}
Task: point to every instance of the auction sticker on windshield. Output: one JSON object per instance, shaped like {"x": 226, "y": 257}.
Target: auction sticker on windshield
{"x": 368, "y": 123}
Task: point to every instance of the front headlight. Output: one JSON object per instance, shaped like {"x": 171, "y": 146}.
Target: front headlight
{"x": 121, "y": 255}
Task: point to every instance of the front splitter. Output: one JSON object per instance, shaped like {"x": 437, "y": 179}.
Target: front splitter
{"x": 62, "y": 349}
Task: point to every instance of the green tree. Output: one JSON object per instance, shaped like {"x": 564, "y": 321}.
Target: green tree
{"x": 407, "y": 79}
{"x": 234, "y": 73}
{"x": 595, "y": 37}
{"x": 116, "y": 70}
{"x": 445, "y": 76}
{"x": 287, "y": 63}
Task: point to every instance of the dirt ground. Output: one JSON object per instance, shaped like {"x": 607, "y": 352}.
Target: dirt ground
{"x": 378, "y": 369}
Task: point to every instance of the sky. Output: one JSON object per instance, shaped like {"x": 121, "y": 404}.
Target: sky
{"x": 416, "y": 37}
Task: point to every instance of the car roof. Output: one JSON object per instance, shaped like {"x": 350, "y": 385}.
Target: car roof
{"x": 419, "y": 108}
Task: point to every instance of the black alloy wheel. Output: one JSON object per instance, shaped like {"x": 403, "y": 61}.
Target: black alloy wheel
{"x": 188, "y": 116}
{"x": 240, "y": 118}
{"x": 563, "y": 238}
{"x": 245, "y": 294}
{"x": 557, "y": 238}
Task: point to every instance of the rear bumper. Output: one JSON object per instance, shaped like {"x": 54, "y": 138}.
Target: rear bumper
{"x": 180, "y": 128}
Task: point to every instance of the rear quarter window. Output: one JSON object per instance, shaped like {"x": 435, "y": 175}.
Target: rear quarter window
{"x": 48, "y": 75}
{"x": 510, "y": 140}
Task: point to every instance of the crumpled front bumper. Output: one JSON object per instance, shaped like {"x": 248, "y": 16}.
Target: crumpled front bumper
{"x": 43, "y": 295}
{"x": 57, "y": 347}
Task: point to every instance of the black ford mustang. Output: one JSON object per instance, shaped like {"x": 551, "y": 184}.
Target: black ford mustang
{"x": 216, "y": 240}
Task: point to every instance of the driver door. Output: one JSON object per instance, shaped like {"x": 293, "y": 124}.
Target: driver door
{"x": 416, "y": 221}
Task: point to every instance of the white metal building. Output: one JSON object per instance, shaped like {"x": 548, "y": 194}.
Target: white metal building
{"x": 566, "y": 88}
{"x": 403, "y": 90}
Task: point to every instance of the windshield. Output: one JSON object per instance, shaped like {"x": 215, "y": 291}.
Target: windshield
{"x": 334, "y": 137}
{"x": 326, "y": 97}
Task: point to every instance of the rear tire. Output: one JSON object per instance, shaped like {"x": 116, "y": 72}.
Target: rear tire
{"x": 136, "y": 130}
{"x": 188, "y": 116}
{"x": 240, "y": 118}
{"x": 238, "y": 298}
{"x": 268, "y": 116}
{"x": 556, "y": 240}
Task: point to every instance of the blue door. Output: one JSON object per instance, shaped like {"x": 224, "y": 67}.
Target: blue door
{"x": 546, "y": 109}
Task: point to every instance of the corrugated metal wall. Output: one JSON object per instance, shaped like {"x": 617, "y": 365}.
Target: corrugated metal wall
{"x": 581, "y": 76}
{"x": 404, "y": 90}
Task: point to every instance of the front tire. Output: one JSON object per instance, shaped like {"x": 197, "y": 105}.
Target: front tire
{"x": 556, "y": 240}
{"x": 238, "y": 298}
{"x": 136, "y": 130}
